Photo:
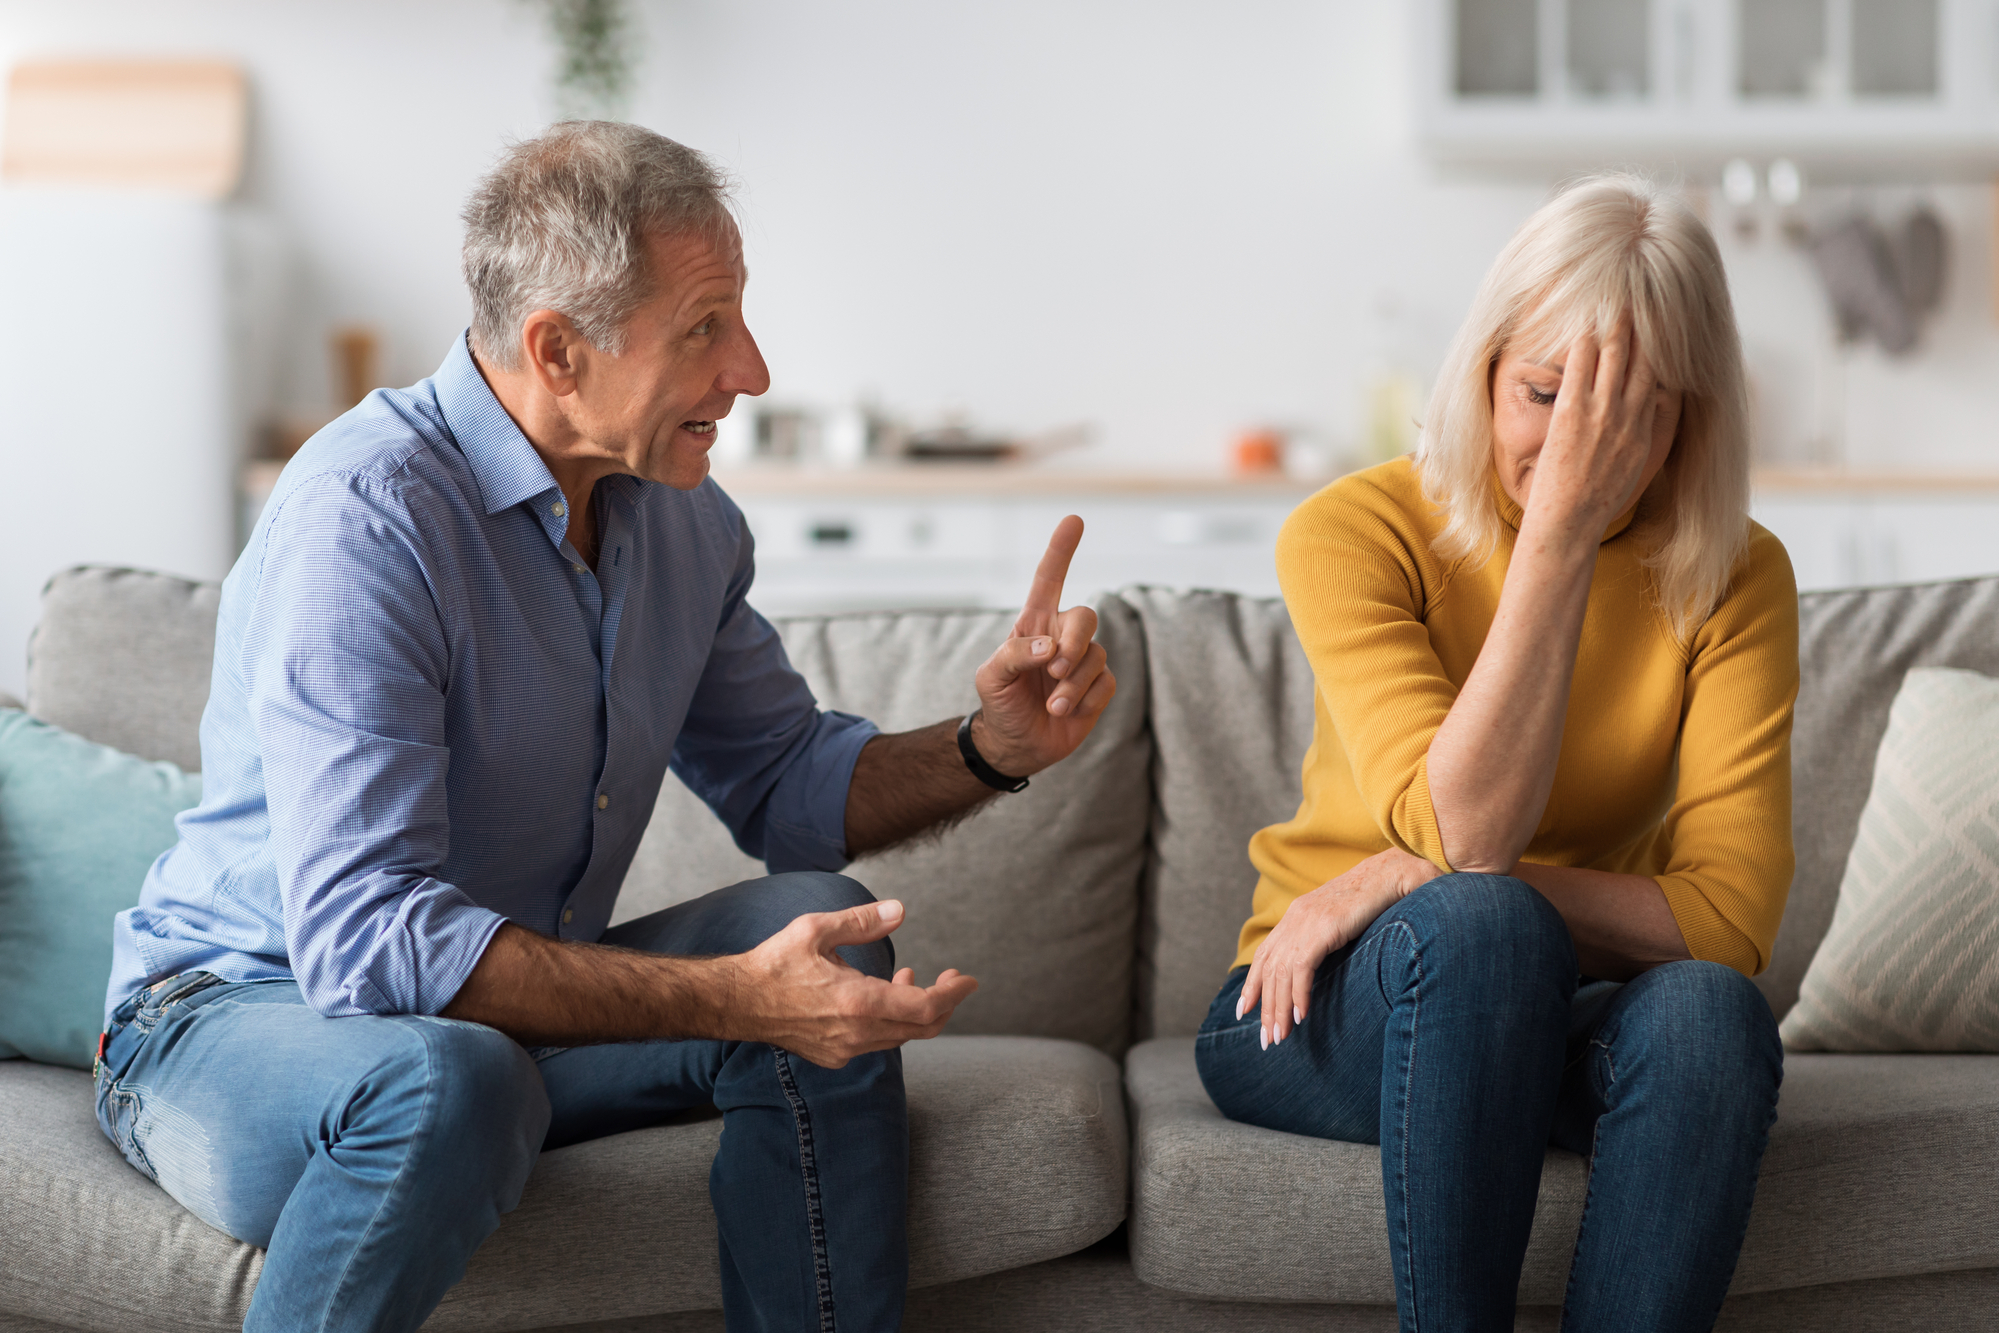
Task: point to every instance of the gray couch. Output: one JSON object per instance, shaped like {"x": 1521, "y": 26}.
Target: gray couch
{"x": 1068, "y": 1171}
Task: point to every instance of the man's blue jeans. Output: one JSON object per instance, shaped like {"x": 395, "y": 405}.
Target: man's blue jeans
{"x": 1453, "y": 1033}
{"x": 372, "y": 1156}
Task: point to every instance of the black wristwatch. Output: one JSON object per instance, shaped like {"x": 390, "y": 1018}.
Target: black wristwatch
{"x": 975, "y": 761}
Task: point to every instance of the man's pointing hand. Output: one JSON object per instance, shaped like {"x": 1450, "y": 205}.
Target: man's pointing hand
{"x": 1042, "y": 690}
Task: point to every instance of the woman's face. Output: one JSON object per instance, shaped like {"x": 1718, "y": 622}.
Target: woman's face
{"x": 1523, "y": 402}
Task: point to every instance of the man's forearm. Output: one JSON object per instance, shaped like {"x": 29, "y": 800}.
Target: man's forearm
{"x": 544, "y": 992}
{"x": 909, "y": 783}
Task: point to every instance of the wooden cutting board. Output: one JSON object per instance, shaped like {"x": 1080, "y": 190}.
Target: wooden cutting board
{"x": 174, "y": 125}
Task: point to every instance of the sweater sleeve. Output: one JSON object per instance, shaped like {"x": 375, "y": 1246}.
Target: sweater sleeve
{"x": 1355, "y": 587}
{"x": 1729, "y": 859}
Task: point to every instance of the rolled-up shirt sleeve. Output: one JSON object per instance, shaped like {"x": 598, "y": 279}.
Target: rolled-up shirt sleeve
{"x": 345, "y": 661}
{"x": 757, "y": 748}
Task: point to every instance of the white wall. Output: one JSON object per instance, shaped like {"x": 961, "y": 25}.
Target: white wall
{"x": 1170, "y": 219}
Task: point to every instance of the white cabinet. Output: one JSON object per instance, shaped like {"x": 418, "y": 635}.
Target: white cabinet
{"x": 1841, "y": 540}
{"x": 920, "y": 543}
{"x": 896, "y": 541}
{"x": 1851, "y": 89}
{"x": 939, "y": 542}
{"x": 868, "y": 553}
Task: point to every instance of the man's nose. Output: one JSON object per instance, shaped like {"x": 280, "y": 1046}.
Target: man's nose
{"x": 744, "y": 372}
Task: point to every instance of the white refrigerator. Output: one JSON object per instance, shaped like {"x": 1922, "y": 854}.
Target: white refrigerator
{"x": 136, "y": 347}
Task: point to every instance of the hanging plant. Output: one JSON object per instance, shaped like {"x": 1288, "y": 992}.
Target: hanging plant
{"x": 596, "y": 58}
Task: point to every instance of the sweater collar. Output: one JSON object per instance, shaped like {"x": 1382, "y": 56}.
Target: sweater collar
{"x": 1510, "y": 512}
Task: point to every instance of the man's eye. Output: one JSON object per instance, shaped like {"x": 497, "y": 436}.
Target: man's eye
{"x": 1534, "y": 395}
{"x": 704, "y": 328}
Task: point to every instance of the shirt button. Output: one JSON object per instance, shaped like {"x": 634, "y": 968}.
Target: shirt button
{"x": 558, "y": 509}
{"x": 568, "y": 915}
{"x": 603, "y": 801}
{"x": 577, "y": 568}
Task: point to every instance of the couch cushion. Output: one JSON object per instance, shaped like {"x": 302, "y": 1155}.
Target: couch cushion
{"x": 1036, "y": 895}
{"x": 1879, "y": 1166}
{"x": 122, "y": 656}
{"x": 1855, "y": 647}
{"x": 1231, "y": 699}
{"x": 1017, "y": 1146}
{"x": 80, "y": 823}
{"x": 1232, "y": 715}
{"x": 1909, "y": 962}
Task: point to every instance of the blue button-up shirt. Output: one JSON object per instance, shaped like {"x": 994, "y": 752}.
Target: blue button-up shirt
{"x": 427, "y": 716}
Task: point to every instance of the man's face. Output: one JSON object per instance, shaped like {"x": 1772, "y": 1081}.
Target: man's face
{"x": 687, "y": 356}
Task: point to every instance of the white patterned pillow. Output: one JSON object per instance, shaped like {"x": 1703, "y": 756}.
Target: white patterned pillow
{"x": 1911, "y": 962}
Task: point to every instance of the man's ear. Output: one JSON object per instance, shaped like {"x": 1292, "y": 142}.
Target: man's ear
{"x": 550, "y": 348}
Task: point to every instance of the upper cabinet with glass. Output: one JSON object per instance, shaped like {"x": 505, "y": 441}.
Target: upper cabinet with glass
{"x": 1863, "y": 89}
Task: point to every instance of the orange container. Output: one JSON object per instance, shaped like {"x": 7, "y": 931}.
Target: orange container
{"x": 1258, "y": 453}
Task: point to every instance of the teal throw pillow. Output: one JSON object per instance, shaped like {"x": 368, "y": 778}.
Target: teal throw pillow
{"x": 80, "y": 824}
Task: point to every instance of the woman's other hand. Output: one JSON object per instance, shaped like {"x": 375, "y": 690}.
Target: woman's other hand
{"x": 1315, "y": 925}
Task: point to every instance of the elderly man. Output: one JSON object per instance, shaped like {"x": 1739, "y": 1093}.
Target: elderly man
{"x": 477, "y": 622}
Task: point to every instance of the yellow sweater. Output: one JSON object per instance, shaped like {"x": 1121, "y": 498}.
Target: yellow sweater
{"x": 1675, "y": 760}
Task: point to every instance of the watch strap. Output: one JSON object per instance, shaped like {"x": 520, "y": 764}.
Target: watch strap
{"x": 975, "y": 761}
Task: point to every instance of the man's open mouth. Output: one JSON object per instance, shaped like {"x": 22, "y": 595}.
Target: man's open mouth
{"x": 698, "y": 427}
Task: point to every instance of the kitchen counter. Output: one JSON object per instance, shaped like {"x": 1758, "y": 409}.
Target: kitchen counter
{"x": 914, "y": 535}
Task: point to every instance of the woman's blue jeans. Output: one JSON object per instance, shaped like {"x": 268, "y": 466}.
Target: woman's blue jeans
{"x": 1453, "y": 1034}
{"x": 372, "y": 1156}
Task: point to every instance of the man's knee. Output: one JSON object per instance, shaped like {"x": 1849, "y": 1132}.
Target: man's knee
{"x": 782, "y": 899}
{"x": 828, "y": 892}
{"x": 467, "y": 1087}
{"x": 1494, "y": 920}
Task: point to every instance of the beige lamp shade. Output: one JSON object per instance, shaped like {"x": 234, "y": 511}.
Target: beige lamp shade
{"x": 171, "y": 125}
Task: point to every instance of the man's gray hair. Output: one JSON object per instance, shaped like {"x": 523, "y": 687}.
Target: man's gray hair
{"x": 560, "y": 224}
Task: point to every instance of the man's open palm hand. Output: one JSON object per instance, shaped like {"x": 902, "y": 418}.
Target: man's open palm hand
{"x": 795, "y": 992}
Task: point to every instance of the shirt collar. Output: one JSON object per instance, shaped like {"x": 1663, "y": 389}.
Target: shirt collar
{"x": 1510, "y": 512}
{"x": 505, "y": 466}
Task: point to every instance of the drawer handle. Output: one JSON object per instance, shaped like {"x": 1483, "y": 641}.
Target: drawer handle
{"x": 830, "y": 534}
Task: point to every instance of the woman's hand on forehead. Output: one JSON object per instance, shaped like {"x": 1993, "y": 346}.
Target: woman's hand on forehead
{"x": 1600, "y": 441}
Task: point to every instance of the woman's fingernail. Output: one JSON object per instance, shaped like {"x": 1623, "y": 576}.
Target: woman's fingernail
{"x": 1058, "y": 706}
{"x": 1297, "y": 1017}
{"x": 1240, "y": 1004}
{"x": 1059, "y": 667}
{"x": 1038, "y": 647}
{"x": 1266, "y": 1036}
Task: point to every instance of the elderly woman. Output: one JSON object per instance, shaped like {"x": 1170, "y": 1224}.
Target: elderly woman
{"x": 1545, "y": 833}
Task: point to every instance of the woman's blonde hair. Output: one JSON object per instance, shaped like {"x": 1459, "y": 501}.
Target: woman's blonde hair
{"x": 1607, "y": 248}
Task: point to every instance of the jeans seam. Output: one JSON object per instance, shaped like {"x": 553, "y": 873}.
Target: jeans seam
{"x": 1408, "y": 1079}
{"x": 1742, "y": 1235}
{"x": 808, "y": 1167}
{"x": 1589, "y": 1190}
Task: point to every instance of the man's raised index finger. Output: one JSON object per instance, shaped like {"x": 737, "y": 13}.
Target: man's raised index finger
{"x": 1044, "y": 595}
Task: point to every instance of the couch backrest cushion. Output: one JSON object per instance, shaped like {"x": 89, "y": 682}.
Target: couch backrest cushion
{"x": 1232, "y": 714}
{"x": 1231, "y": 699}
{"x": 1855, "y": 646}
{"x": 122, "y": 656}
{"x": 1036, "y": 895}
{"x": 79, "y": 825}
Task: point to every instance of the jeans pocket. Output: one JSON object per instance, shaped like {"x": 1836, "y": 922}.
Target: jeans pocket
{"x": 175, "y": 989}
{"x": 118, "y": 1116}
